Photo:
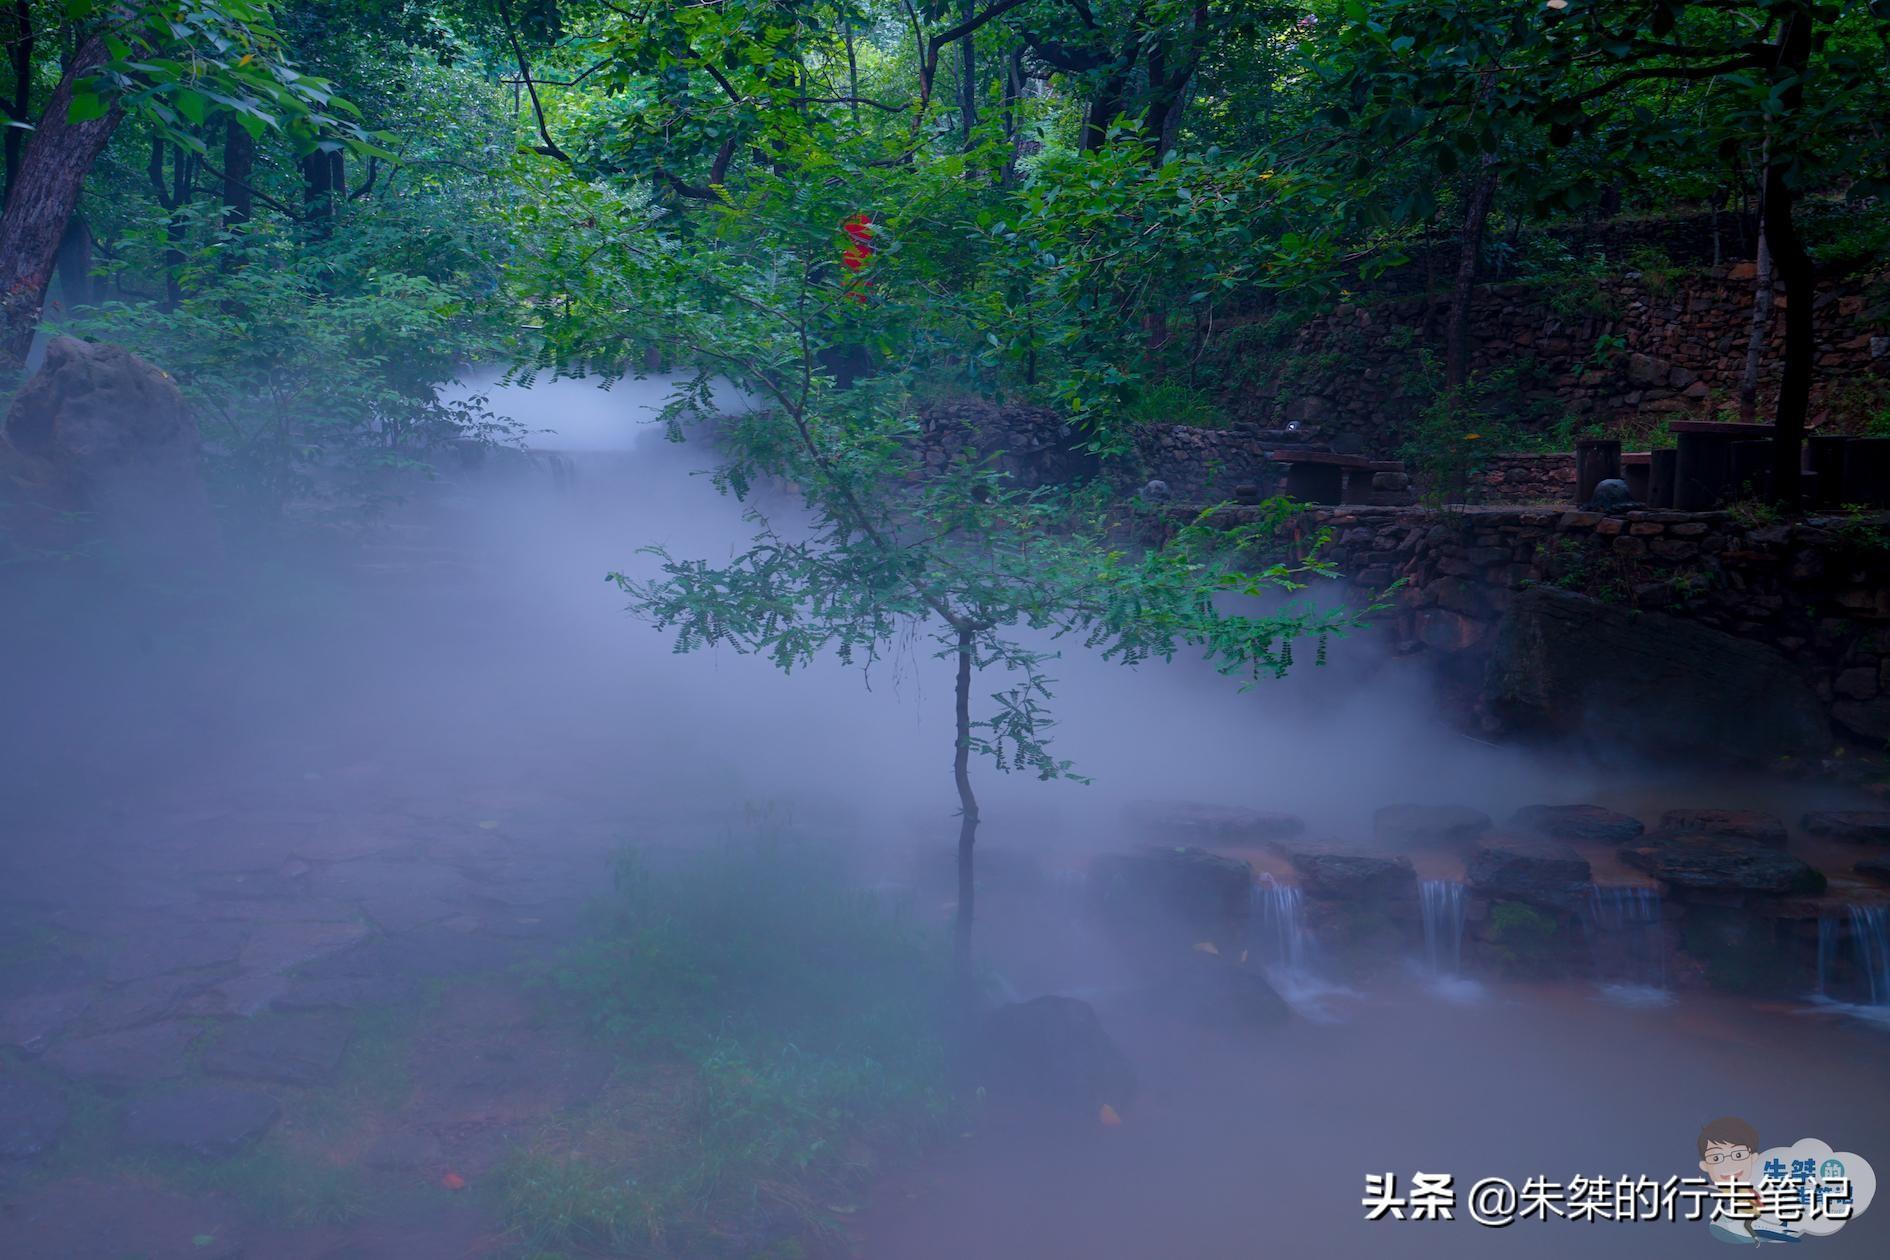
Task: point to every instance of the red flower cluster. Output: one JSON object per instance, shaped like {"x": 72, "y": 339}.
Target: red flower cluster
{"x": 859, "y": 251}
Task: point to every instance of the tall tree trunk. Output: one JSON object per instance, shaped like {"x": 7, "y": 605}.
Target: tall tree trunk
{"x": 967, "y": 811}
{"x": 19, "y": 107}
{"x": 1794, "y": 267}
{"x": 45, "y": 190}
{"x": 1476, "y": 215}
{"x": 239, "y": 166}
{"x": 1013, "y": 120}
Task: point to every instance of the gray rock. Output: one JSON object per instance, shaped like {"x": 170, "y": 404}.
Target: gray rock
{"x": 1353, "y": 876}
{"x": 1051, "y": 1056}
{"x": 1740, "y": 824}
{"x": 32, "y": 1116}
{"x": 1171, "y": 896}
{"x": 1877, "y": 868}
{"x": 1192, "y": 822}
{"x": 1723, "y": 864}
{"x": 154, "y": 1052}
{"x": 1863, "y": 826}
{"x": 1566, "y": 665}
{"x": 1576, "y": 823}
{"x": 1157, "y": 491}
{"x": 290, "y": 1049}
{"x": 210, "y": 1120}
{"x": 1423, "y": 826}
{"x": 1612, "y": 495}
{"x": 1540, "y": 872}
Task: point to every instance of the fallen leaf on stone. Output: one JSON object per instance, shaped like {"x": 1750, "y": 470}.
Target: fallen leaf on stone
{"x": 1108, "y": 1117}
{"x": 453, "y": 1181}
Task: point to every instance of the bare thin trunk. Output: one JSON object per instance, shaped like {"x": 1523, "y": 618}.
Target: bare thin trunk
{"x": 967, "y": 810}
{"x": 968, "y": 73}
{"x": 22, "y": 103}
{"x": 45, "y": 191}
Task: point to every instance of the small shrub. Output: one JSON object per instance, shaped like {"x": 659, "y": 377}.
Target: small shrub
{"x": 1522, "y": 941}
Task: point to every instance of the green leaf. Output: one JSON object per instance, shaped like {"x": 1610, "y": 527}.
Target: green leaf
{"x": 85, "y": 107}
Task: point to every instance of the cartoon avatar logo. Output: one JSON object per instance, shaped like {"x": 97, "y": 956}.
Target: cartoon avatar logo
{"x": 1783, "y": 1194}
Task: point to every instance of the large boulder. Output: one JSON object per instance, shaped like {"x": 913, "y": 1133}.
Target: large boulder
{"x": 1532, "y": 870}
{"x": 1171, "y": 896}
{"x": 1350, "y": 876}
{"x": 1722, "y": 864}
{"x": 1196, "y": 823}
{"x": 1577, "y": 824}
{"x": 1427, "y": 826}
{"x": 1863, "y": 826}
{"x": 1051, "y": 1057}
{"x": 1564, "y": 664}
{"x": 99, "y": 431}
{"x": 1739, "y": 824}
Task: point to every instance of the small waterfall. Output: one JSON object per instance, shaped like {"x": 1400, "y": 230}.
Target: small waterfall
{"x": 1862, "y": 936}
{"x": 1870, "y": 939}
{"x": 1277, "y": 925}
{"x": 1443, "y": 906}
{"x": 1626, "y": 940}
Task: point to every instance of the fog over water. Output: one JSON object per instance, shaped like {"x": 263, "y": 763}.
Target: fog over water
{"x": 470, "y": 655}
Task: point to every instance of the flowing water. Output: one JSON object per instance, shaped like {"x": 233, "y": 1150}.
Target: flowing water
{"x": 1443, "y": 905}
{"x": 1628, "y": 942}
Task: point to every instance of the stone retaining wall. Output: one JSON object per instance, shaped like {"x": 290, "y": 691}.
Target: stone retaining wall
{"x": 1816, "y": 592}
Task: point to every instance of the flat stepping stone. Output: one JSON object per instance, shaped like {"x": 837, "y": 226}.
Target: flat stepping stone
{"x": 209, "y": 1120}
{"x": 289, "y": 1049}
{"x": 32, "y": 1116}
{"x": 143, "y": 1001}
{"x": 1353, "y": 876}
{"x": 1577, "y": 824}
{"x": 427, "y": 953}
{"x": 1725, "y": 864}
{"x": 1740, "y": 824}
{"x": 1877, "y": 868}
{"x": 1428, "y": 825}
{"x": 1532, "y": 870}
{"x": 1863, "y": 826}
{"x": 132, "y": 1056}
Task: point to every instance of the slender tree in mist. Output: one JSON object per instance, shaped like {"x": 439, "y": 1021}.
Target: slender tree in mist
{"x": 993, "y": 575}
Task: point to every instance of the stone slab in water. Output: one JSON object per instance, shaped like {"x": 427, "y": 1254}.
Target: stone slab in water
{"x": 1194, "y": 822}
{"x": 32, "y": 1116}
{"x": 1537, "y": 871}
{"x": 1353, "y": 876}
{"x": 1169, "y": 894}
{"x": 1426, "y": 825}
{"x": 1577, "y": 823}
{"x": 208, "y": 1120}
{"x": 154, "y": 1052}
{"x": 1865, "y": 826}
{"x": 1723, "y": 864}
{"x": 1877, "y": 868}
{"x": 1740, "y": 824}
{"x": 290, "y": 1049}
